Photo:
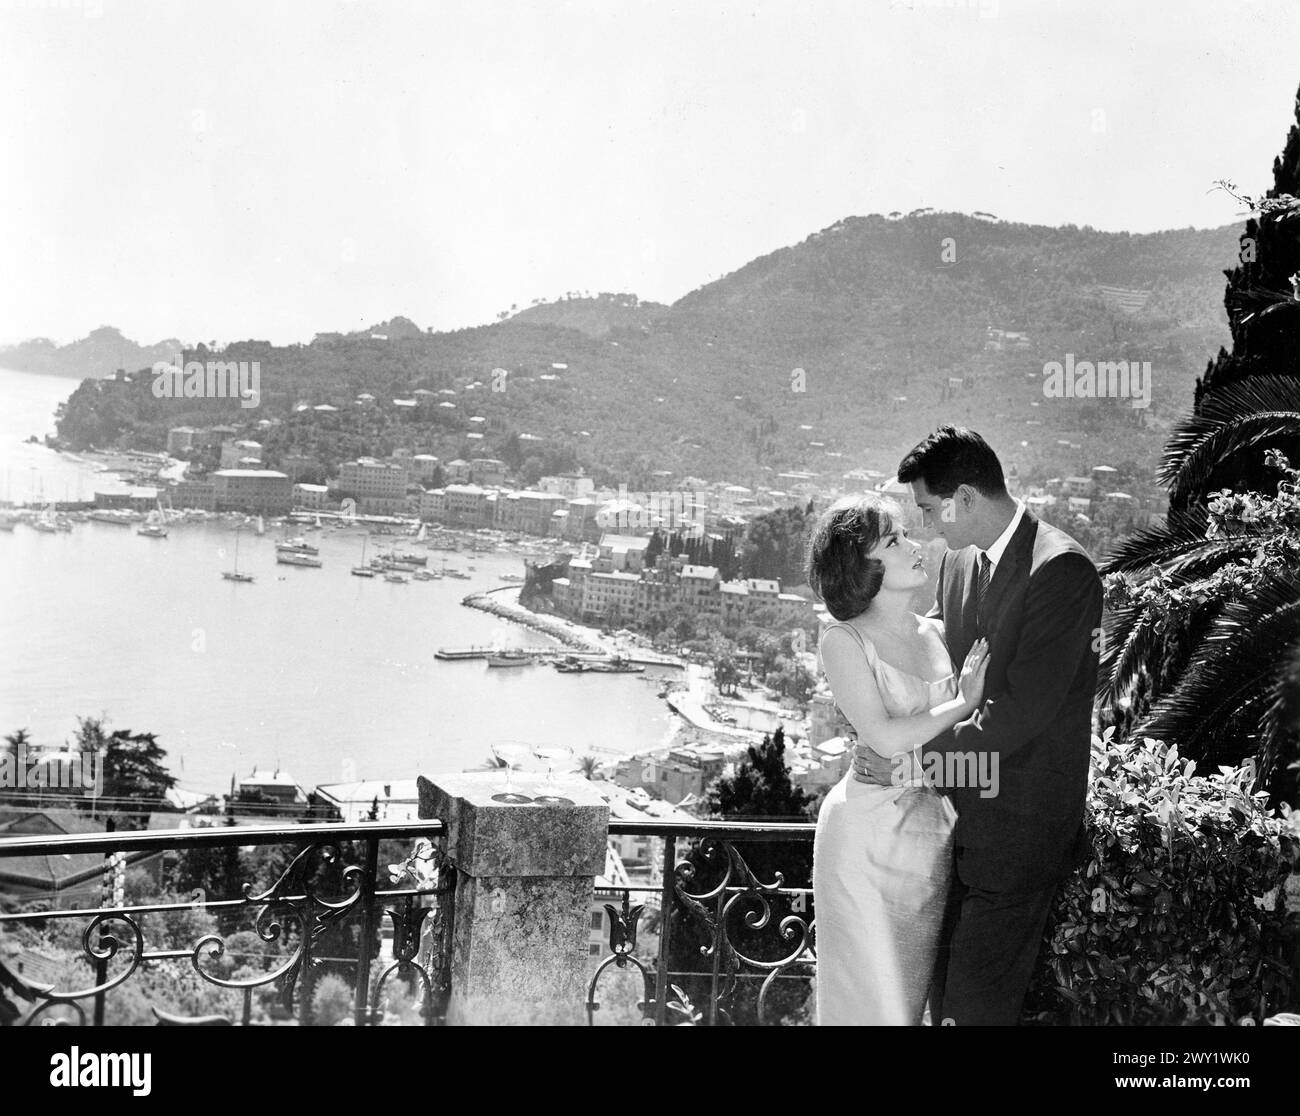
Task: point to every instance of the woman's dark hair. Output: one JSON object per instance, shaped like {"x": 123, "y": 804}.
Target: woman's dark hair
{"x": 953, "y": 456}
{"x": 839, "y": 570}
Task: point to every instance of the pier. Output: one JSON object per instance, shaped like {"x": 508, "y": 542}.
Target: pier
{"x": 543, "y": 653}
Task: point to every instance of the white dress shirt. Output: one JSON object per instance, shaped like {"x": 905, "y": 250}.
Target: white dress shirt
{"x": 995, "y": 552}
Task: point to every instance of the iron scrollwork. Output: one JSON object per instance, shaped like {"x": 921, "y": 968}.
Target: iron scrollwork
{"x": 292, "y": 900}
{"x": 622, "y": 945}
{"x": 739, "y": 894}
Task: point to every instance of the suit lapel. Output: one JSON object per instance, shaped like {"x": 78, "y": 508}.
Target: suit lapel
{"x": 1011, "y": 570}
{"x": 959, "y": 607}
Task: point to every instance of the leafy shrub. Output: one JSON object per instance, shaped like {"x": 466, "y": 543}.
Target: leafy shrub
{"x": 332, "y": 1001}
{"x": 1179, "y": 915}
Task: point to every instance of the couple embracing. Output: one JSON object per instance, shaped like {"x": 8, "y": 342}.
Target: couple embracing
{"x": 931, "y": 889}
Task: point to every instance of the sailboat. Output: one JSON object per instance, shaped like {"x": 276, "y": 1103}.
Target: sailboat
{"x": 261, "y": 526}
{"x": 153, "y": 526}
{"x": 423, "y": 534}
{"x": 46, "y": 521}
{"x": 363, "y": 570}
{"x": 235, "y": 575}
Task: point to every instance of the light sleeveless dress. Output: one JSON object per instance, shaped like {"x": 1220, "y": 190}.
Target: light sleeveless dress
{"x": 882, "y": 861}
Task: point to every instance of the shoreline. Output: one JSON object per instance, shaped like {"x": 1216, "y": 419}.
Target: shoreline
{"x": 565, "y": 631}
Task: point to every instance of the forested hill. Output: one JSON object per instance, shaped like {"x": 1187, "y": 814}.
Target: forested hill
{"x": 98, "y": 354}
{"x": 835, "y": 353}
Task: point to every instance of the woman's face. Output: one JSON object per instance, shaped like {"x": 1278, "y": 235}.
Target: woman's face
{"x": 903, "y": 559}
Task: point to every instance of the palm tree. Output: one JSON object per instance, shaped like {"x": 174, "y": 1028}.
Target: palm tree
{"x": 1202, "y": 640}
{"x": 17, "y": 742}
{"x": 587, "y": 765}
{"x": 1201, "y": 647}
{"x": 1205, "y": 609}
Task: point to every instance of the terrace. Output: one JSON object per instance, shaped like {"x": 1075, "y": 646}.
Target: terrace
{"x": 483, "y": 913}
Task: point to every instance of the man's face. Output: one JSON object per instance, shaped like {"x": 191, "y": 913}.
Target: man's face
{"x": 946, "y": 516}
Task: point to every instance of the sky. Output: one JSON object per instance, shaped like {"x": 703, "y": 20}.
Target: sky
{"x": 274, "y": 168}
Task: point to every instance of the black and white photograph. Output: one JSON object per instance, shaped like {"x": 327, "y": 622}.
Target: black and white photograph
{"x": 774, "y": 514}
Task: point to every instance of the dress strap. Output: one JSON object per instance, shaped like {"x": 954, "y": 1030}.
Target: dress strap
{"x": 868, "y": 648}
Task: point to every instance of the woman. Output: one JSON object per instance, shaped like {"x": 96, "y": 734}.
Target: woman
{"x": 883, "y": 854}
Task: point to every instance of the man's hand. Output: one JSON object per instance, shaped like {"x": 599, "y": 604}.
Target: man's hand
{"x": 870, "y": 767}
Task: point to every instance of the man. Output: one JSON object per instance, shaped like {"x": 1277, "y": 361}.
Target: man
{"x": 1036, "y": 595}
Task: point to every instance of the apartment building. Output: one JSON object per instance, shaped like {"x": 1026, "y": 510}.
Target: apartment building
{"x": 264, "y": 491}
{"x": 240, "y": 453}
{"x": 572, "y": 486}
{"x": 461, "y": 504}
{"x": 487, "y": 470}
{"x": 528, "y": 512}
{"x": 424, "y": 466}
{"x": 367, "y": 477}
{"x": 616, "y": 583}
{"x": 310, "y": 496}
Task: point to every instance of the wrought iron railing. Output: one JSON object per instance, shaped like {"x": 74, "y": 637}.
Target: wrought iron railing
{"x": 729, "y": 920}
{"x": 729, "y": 936}
{"x": 292, "y": 918}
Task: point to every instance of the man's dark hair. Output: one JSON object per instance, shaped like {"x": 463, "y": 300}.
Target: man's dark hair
{"x": 953, "y": 456}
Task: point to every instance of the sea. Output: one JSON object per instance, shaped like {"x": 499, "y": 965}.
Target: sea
{"x": 325, "y": 676}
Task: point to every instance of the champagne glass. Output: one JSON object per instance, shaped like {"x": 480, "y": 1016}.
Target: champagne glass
{"x": 509, "y": 754}
{"x": 552, "y": 754}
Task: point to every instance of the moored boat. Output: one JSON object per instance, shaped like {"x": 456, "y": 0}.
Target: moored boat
{"x": 295, "y": 558}
{"x": 509, "y": 659}
{"x": 235, "y": 575}
{"x": 297, "y": 545}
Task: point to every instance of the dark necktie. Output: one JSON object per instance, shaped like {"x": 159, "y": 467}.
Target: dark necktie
{"x": 982, "y": 592}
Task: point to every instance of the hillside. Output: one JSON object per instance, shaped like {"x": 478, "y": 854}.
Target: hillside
{"x": 888, "y": 319}
{"x": 99, "y": 353}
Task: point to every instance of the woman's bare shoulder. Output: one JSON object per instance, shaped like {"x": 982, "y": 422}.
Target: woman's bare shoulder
{"x": 934, "y": 627}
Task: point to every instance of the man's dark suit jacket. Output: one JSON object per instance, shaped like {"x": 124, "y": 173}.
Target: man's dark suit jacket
{"x": 1041, "y": 619}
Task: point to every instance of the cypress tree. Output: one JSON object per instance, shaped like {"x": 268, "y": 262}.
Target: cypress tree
{"x": 1264, "y": 317}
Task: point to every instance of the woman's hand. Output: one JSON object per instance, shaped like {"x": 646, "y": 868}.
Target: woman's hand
{"x": 970, "y": 685}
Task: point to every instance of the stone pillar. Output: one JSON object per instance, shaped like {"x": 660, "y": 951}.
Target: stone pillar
{"x": 526, "y": 875}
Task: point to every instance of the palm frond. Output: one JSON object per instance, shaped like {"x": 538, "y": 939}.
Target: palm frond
{"x": 1234, "y": 680}
{"x": 1231, "y": 421}
{"x": 1182, "y": 531}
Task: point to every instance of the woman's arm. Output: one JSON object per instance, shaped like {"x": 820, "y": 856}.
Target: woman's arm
{"x": 858, "y": 697}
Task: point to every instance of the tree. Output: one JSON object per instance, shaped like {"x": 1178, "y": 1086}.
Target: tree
{"x": 1205, "y": 608}
{"x": 16, "y": 743}
{"x": 133, "y": 768}
{"x": 726, "y": 674}
{"x": 654, "y": 548}
{"x": 1202, "y": 632}
{"x": 775, "y": 545}
{"x": 1263, "y": 305}
{"x": 587, "y": 765}
{"x": 218, "y": 873}
{"x": 760, "y": 790}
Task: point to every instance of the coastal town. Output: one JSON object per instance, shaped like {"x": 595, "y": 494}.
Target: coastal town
{"x": 620, "y": 580}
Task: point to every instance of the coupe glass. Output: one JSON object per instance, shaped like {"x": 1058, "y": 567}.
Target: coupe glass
{"x": 552, "y": 754}
{"x": 510, "y": 754}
